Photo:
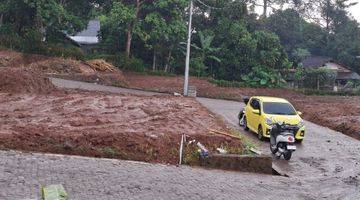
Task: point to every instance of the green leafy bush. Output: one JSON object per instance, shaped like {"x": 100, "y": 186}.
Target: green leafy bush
{"x": 66, "y": 51}
{"x": 32, "y": 41}
{"x": 357, "y": 91}
{"x": 262, "y": 76}
{"x": 133, "y": 64}
{"x": 9, "y": 39}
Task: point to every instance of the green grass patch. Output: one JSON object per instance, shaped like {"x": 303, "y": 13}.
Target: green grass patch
{"x": 108, "y": 151}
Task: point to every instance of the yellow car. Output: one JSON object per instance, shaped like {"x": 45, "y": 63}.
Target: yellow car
{"x": 261, "y": 112}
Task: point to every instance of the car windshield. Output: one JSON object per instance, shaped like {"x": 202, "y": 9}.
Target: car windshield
{"x": 275, "y": 108}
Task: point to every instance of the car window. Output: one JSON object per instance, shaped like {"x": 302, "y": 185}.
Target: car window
{"x": 255, "y": 104}
{"x": 276, "y": 108}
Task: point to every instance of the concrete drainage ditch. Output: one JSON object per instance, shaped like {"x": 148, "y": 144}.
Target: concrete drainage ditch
{"x": 242, "y": 163}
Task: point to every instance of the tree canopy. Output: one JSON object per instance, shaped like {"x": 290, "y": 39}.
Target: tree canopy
{"x": 230, "y": 40}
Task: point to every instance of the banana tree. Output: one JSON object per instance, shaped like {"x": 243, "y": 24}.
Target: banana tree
{"x": 206, "y": 54}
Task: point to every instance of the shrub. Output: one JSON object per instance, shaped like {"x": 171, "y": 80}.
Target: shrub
{"x": 32, "y": 42}
{"x": 357, "y": 91}
{"x": 133, "y": 64}
{"x": 262, "y": 76}
{"x": 66, "y": 51}
{"x": 9, "y": 39}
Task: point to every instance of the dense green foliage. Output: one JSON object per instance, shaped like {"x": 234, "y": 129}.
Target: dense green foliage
{"x": 318, "y": 78}
{"x": 230, "y": 41}
{"x": 38, "y": 26}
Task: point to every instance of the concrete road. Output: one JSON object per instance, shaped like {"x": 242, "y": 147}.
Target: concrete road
{"x": 23, "y": 174}
{"x": 69, "y": 84}
{"x": 323, "y": 152}
{"x": 326, "y": 166}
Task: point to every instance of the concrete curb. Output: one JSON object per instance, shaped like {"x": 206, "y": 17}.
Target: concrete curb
{"x": 242, "y": 163}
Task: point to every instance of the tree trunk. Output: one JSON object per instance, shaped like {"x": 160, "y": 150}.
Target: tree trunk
{"x": 154, "y": 61}
{"x": 1, "y": 19}
{"x": 168, "y": 62}
{"x": 128, "y": 42}
{"x": 318, "y": 83}
{"x": 265, "y": 6}
{"x": 130, "y": 29}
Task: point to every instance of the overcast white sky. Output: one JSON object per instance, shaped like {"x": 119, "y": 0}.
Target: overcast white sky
{"x": 355, "y": 10}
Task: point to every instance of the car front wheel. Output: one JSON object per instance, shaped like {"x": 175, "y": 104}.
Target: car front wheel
{"x": 260, "y": 133}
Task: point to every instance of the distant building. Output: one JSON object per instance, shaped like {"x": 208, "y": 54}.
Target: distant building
{"x": 88, "y": 38}
{"x": 343, "y": 74}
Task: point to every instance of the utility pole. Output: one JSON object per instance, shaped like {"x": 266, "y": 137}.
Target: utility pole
{"x": 187, "y": 62}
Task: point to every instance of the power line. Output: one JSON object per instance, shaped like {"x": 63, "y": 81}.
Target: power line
{"x": 211, "y": 7}
{"x": 216, "y": 8}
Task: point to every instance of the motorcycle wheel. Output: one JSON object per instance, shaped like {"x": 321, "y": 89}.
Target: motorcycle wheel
{"x": 245, "y": 124}
{"x": 287, "y": 155}
{"x": 241, "y": 120}
{"x": 273, "y": 150}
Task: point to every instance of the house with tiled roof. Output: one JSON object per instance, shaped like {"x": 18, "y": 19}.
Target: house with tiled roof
{"x": 344, "y": 74}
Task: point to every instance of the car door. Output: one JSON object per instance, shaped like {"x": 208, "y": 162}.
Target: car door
{"x": 252, "y": 118}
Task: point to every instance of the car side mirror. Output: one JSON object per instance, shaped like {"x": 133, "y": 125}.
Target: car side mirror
{"x": 246, "y": 100}
{"x": 257, "y": 112}
{"x": 299, "y": 113}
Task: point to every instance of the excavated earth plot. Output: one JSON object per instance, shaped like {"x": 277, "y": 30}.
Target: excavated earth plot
{"x": 144, "y": 128}
{"x": 106, "y": 125}
{"x": 336, "y": 112}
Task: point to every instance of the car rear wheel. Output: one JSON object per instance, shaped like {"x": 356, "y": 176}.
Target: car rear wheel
{"x": 260, "y": 133}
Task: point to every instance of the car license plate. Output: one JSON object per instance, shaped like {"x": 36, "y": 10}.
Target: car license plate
{"x": 291, "y": 147}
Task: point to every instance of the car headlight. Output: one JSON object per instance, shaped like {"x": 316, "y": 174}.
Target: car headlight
{"x": 301, "y": 123}
{"x": 268, "y": 121}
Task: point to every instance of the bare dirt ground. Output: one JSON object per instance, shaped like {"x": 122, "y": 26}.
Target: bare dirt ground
{"x": 36, "y": 117}
{"x": 95, "y": 71}
{"x": 337, "y": 112}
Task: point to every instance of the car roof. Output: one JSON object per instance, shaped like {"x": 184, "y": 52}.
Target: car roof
{"x": 270, "y": 99}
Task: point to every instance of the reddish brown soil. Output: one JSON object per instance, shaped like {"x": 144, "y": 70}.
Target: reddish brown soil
{"x": 104, "y": 78}
{"x": 95, "y": 71}
{"x": 107, "y": 125}
{"x": 336, "y": 112}
{"x": 204, "y": 87}
{"x": 16, "y": 80}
